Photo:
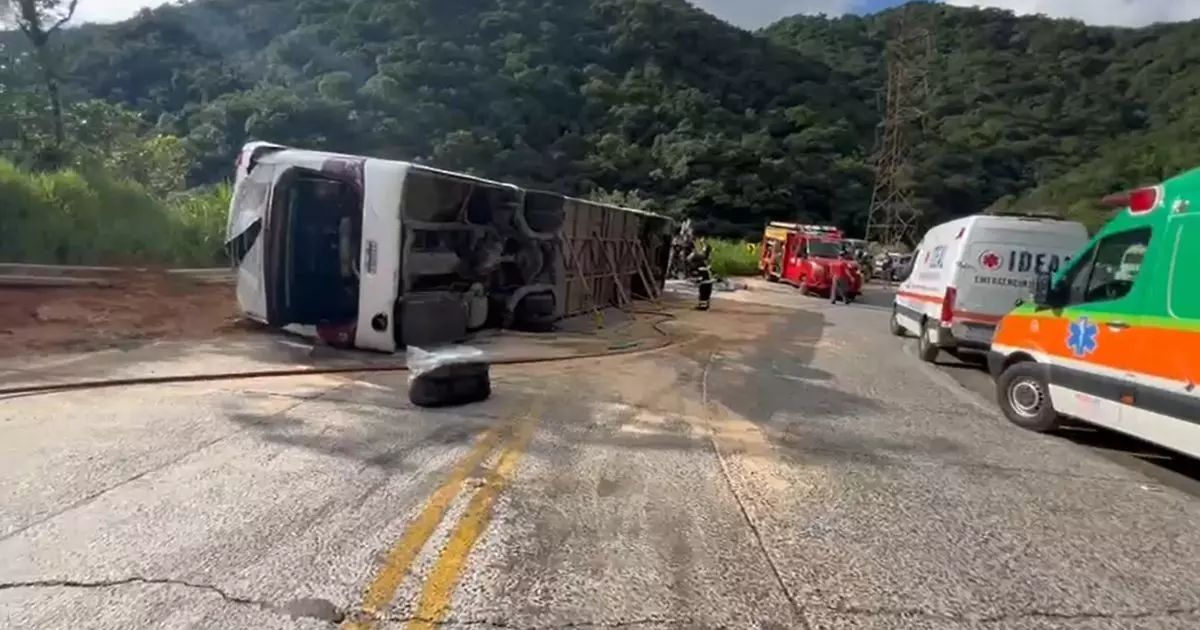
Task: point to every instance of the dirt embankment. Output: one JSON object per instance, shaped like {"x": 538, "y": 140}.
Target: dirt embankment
{"x": 138, "y": 307}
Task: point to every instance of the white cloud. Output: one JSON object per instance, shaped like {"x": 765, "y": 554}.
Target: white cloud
{"x": 1099, "y": 12}
{"x": 110, "y": 10}
{"x": 758, "y": 13}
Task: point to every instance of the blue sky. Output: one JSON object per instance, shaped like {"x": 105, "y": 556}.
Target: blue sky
{"x": 756, "y": 13}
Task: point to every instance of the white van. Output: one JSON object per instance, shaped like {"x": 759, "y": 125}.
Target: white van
{"x": 970, "y": 272}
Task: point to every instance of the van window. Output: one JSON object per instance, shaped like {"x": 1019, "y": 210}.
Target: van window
{"x": 1109, "y": 268}
{"x": 1184, "y": 299}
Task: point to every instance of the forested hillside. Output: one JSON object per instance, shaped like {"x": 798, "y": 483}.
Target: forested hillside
{"x": 1032, "y": 112}
{"x": 643, "y": 101}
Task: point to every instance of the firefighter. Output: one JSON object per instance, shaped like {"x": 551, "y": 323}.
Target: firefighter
{"x": 698, "y": 264}
{"x": 706, "y": 287}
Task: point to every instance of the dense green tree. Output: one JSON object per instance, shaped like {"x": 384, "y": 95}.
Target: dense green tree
{"x": 647, "y": 100}
{"x": 39, "y": 20}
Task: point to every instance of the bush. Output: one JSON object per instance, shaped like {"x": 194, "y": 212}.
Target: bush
{"x": 198, "y": 218}
{"x": 68, "y": 217}
{"x": 734, "y": 258}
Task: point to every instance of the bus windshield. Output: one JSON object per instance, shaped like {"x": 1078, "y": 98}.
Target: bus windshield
{"x": 824, "y": 249}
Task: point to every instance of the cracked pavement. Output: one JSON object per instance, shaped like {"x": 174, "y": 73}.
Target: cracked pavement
{"x": 790, "y": 465}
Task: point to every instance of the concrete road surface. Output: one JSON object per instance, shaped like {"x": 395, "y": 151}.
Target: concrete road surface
{"x": 788, "y": 464}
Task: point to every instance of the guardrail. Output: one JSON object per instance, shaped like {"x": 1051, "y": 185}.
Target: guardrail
{"x": 21, "y": 275}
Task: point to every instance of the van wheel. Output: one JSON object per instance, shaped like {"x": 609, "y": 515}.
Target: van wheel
{"x": 894, "y": 325}
{"x": 1025, "y": 398}
{"x": 926, "y": 348}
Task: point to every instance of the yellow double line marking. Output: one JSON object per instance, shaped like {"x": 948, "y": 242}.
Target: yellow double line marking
{"x": 439, "y": 585}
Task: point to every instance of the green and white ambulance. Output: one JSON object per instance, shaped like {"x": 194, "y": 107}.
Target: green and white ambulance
{"x": 1113, "y": 338}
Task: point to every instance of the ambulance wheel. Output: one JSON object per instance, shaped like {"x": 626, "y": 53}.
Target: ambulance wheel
{"x": 894, "y": 325}
{"x": 926, "y": 348}
{"x": 1025, "y": 398}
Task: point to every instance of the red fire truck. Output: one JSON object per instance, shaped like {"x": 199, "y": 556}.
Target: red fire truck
{"x": 808, "y": 257}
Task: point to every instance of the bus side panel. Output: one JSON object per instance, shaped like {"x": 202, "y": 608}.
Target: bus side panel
{"x": 379, "y": 265}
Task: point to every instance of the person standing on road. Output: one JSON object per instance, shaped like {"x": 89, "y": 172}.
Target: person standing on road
{"x": 837, "y": 288}
{"x": 698, "y": 263}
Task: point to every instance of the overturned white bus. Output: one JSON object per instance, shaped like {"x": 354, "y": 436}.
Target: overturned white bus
{"x": 378, "y": 254}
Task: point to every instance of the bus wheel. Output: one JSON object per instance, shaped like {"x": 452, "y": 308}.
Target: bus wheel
{"x": 1025, "y": 398}
{"x": 456, "y": 384}
{"x": 894, "y": 325}
{"x": 926, "y": 347}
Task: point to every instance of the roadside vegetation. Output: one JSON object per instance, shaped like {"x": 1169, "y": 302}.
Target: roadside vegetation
{"x": 733, "y": 258}
{"x": 73, "y": 217}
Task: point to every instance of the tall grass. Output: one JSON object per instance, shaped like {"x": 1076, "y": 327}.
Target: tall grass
{"x": 69, "y": 217}
{"x": 198, "y": 218}
{"x": 733, "y": 258}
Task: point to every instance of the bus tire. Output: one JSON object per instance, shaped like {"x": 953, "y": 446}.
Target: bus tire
{"x": 451, "y": 385}
{"x": 535, "y": 313}
{"x": 894, "y": 324}
{"x": 1024, "y": 397}
{"x": 926, "y": 348}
